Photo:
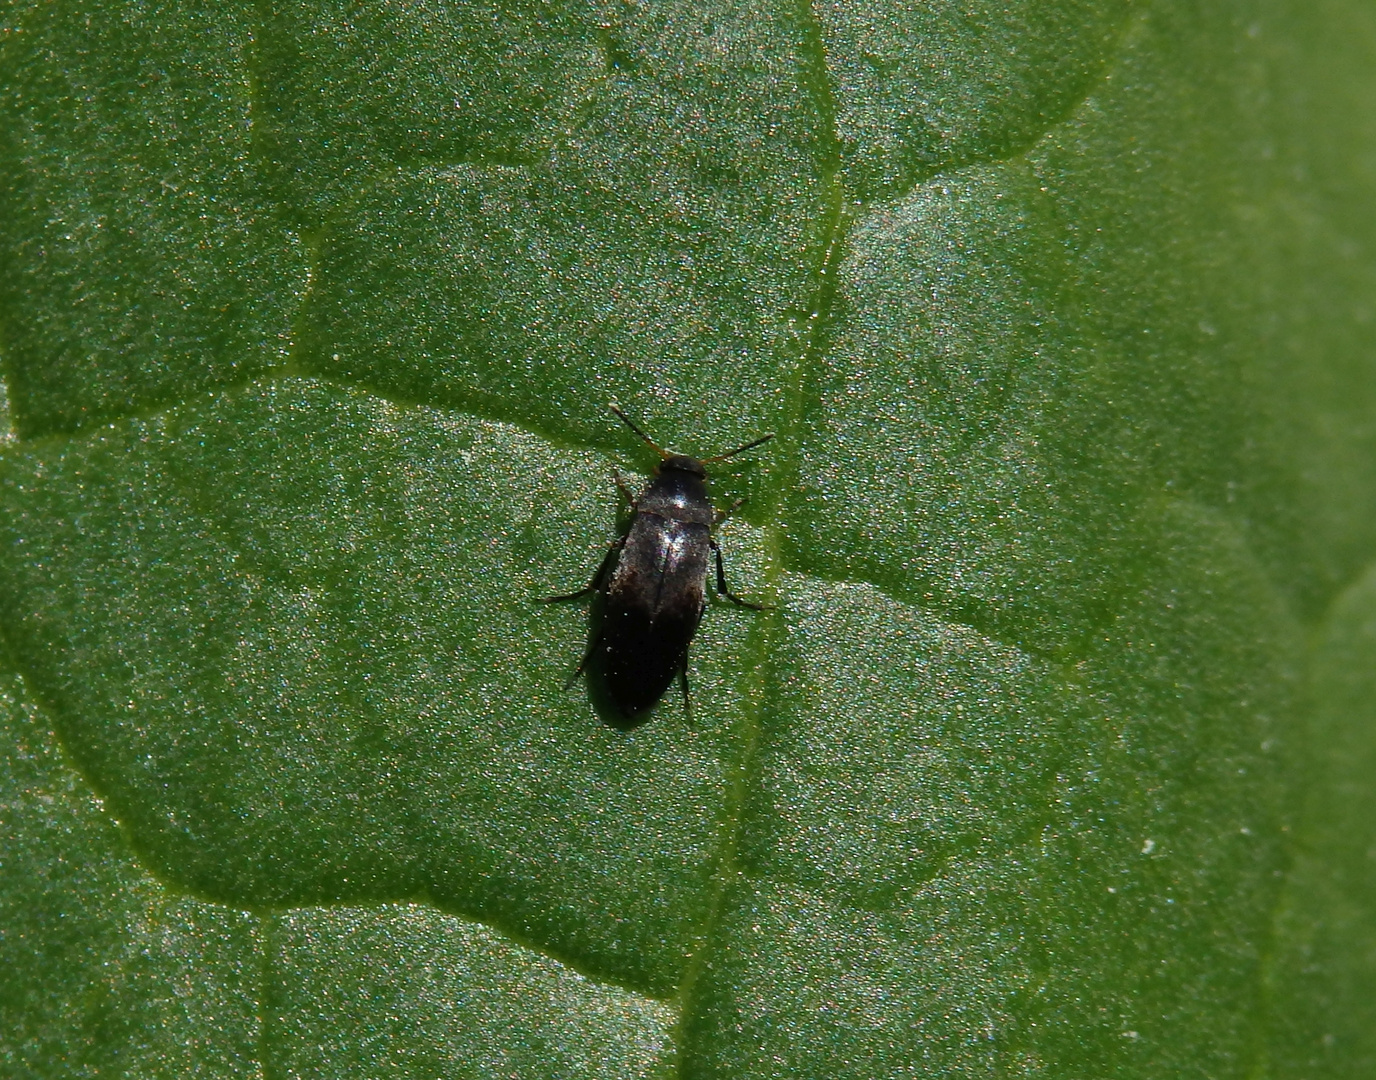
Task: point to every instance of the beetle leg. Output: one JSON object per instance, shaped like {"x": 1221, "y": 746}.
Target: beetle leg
{"x": 683, "y": 681}
{"x": 582, "y": 664}
{"x": 722, "y": 590}
{"x": 722, "y": 515}
{"x": 621, "y": 487}
{"x": 596, "y": 583}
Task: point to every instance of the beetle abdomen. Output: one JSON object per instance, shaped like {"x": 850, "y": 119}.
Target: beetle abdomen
{"x": 654, "y": 603}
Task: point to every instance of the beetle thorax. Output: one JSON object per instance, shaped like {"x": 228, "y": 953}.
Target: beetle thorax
{"x": 678, "y": 494}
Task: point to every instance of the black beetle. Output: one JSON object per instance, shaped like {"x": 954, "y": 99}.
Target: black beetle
{"x": 652, "y": 584}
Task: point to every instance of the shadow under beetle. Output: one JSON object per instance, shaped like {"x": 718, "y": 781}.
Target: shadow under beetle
{"x": 651, "y": 586}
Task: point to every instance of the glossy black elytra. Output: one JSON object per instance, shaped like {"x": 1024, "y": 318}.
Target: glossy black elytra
{"x": 652, "y": 585}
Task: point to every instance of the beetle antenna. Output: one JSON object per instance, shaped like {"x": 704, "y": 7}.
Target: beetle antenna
{"x": 739, "y": 449}
{"x": 627, "y": 421}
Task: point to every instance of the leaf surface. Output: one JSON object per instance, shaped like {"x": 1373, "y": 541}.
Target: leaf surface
{"x": 1062, "y": 316}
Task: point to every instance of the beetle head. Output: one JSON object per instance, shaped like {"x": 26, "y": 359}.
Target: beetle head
{"x": 683, "y": 463}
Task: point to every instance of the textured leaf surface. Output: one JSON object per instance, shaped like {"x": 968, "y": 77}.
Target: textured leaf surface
{"x": 1053, "y": 756}
{"x": 109, "y": 970}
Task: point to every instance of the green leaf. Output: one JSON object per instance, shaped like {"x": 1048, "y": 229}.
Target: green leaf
{"x": 110, "y": 970}
{"x": 1052, "y": 755}
{"x": 141, "y": 261}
